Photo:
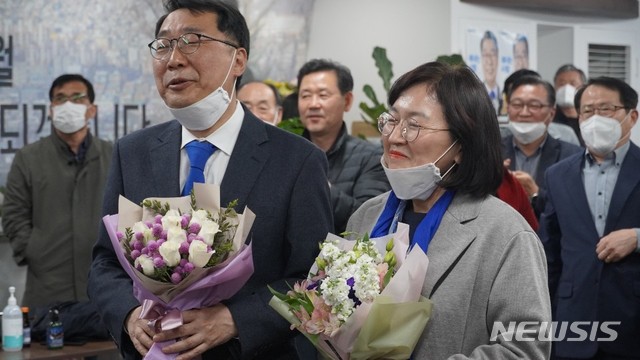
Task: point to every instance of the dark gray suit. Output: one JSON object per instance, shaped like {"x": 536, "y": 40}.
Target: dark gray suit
{"x": 553, "y": 151}
{"x": 282, "y": 178}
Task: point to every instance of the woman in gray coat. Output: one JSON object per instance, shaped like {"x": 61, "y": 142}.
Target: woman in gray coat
{"x": 487, "y": 273}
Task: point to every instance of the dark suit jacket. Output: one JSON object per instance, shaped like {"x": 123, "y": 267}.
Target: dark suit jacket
{"x": 553, "y": 151}
{"x": 281, "y": 177}
{"x": 582, "y": 287}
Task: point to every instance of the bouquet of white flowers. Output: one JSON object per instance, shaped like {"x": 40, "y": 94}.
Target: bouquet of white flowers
{"x": 359, "y": 304}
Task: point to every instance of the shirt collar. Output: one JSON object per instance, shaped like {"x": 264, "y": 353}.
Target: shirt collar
{"x": 225, "y": 137}
{"x": 616, "y": 157}
{"x": 538, "y": 150}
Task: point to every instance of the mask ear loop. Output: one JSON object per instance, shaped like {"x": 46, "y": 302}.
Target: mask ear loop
{"x": 445, "y": 153}
{"x": 233, "y": 89}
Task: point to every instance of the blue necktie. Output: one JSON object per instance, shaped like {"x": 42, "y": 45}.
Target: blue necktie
{"x": 198, "y": 152}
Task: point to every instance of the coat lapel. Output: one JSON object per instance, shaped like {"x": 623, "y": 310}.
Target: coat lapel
{"x": 508, "y": 152}
{"x": 451, "y": 240}
{"x": 162, "y": 150}
{"x": 628, "y": 179}
{"x": 548, "y": 156}
{"x": 246, "y": 162}
{"x": 573, "y": 186}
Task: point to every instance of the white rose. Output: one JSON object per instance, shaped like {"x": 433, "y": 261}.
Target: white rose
{"x": 199, "y": 216}
{"x": 171, "y": 219}
{"x": 198, "y": 254}
{"x": 176, "y": 235}
{"x": 146, "y": 263}
{"x": 170, "y": 253}
{"x": 208, "y": 230}
{"x": 141, "y": 227}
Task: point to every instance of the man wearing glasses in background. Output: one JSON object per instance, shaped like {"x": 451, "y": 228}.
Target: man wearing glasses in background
{"x": 529, "y": 151}
{"x": 263, "y": 100}
{"x": 53, "y": 199}
{"x": 590, "y": 227}
{"x": 199, "y": 53}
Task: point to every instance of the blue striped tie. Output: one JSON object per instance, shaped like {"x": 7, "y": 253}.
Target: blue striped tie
{"x": 198, "y": 152}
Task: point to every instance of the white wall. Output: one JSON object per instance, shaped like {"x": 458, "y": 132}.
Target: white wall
{"x": 412, "y": 31}
{"x": 585, "y": 30}
{"x": 556, "y": 40}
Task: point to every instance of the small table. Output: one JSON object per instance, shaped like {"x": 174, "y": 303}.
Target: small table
{"x": 38, "y": 351}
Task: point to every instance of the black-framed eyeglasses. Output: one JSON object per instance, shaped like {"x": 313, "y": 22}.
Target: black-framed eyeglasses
{"x": 187, "y": 44}
{"x": 74, "y": 98}
{"x": 533, "y": 106}
{"x": 387, "y": 123}
{"x": 607, "y": 110}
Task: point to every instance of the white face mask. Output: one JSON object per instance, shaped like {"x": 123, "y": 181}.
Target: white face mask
{"x": 565, "y": 96}
{"x": 601, "y": 134}
{"x": 69, "y": 117}
{"x": 203, "y": 114}
{"x": 417, "y": 182}
{"x": 527, "y": 132}
{"x": 274, "y": 122}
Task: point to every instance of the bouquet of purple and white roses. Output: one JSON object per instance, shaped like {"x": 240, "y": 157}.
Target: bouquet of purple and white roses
{"x": 181, "y": 253}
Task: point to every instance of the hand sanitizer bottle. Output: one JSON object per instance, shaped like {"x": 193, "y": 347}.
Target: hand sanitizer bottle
{"x": 12, "y": 324}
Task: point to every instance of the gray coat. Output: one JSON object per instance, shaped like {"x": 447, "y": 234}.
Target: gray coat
{"x": 490, "y": 267}
{"x": 51, "y": 215}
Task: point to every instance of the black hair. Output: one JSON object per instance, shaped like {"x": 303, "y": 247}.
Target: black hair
{"x": 534, "y": 80}
{"x": 67, "y": 78}
{"x": 508, "y": 82}
{"x": 472, "y": 120}
{"x": 628, "y": 96}
{"x": 345, "y": 80}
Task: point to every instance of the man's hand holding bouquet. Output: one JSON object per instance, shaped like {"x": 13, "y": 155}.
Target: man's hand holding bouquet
{"x": 181, "y": 254}
{"x": 362, "y": 298}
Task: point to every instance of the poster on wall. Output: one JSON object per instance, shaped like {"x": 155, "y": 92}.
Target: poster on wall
{"x": 494, "y": 51}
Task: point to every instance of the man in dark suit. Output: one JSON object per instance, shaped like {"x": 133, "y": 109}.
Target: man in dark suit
{"x": 282, "y": 178}
{"x": 529, "y": 151}
{"x": 590, "y": 228}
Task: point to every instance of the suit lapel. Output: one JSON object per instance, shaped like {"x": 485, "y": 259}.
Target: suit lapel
{"x": 451, "y": 240}
{"x": 246, "y": 162}
{"x": 628, "y": 179}
{"x": 548, "y": 156}
{"x": 508, "y": 152}
{"x": 162, "y": 150}
{"x": 573, "y": 186}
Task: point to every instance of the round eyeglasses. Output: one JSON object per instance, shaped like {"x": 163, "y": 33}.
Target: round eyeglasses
{"x": 187, "y": 44}
{"x": 387, "y": 123}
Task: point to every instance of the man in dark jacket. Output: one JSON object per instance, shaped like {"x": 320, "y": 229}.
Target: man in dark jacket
{"x": 355, "y": 173}
{"x": 53, "y": 202}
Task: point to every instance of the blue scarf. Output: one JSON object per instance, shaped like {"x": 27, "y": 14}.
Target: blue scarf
{"x": 394, "y": 209}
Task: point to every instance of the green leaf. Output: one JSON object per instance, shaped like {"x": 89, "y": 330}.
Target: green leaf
{"x": 292, "y": 125}
{"x": 368, "y": 91}
{"x": 384, "y": 66}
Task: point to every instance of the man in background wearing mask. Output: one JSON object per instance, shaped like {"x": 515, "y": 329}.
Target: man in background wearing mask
{"x": 529, "y": 151}
{"x": 53, "y": 200}
{"x": 567, "y": 80}
{"x": 263, "y": 100}
{"x": 590, "y": 227}
{"x": 355, "y": 172}
{"x": 199, "y": 53}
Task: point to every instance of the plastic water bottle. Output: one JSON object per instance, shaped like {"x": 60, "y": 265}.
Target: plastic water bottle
{"x": 12, "y": 324}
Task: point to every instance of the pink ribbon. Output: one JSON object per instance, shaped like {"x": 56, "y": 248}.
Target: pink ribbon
{"x": 160, "y": 317}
